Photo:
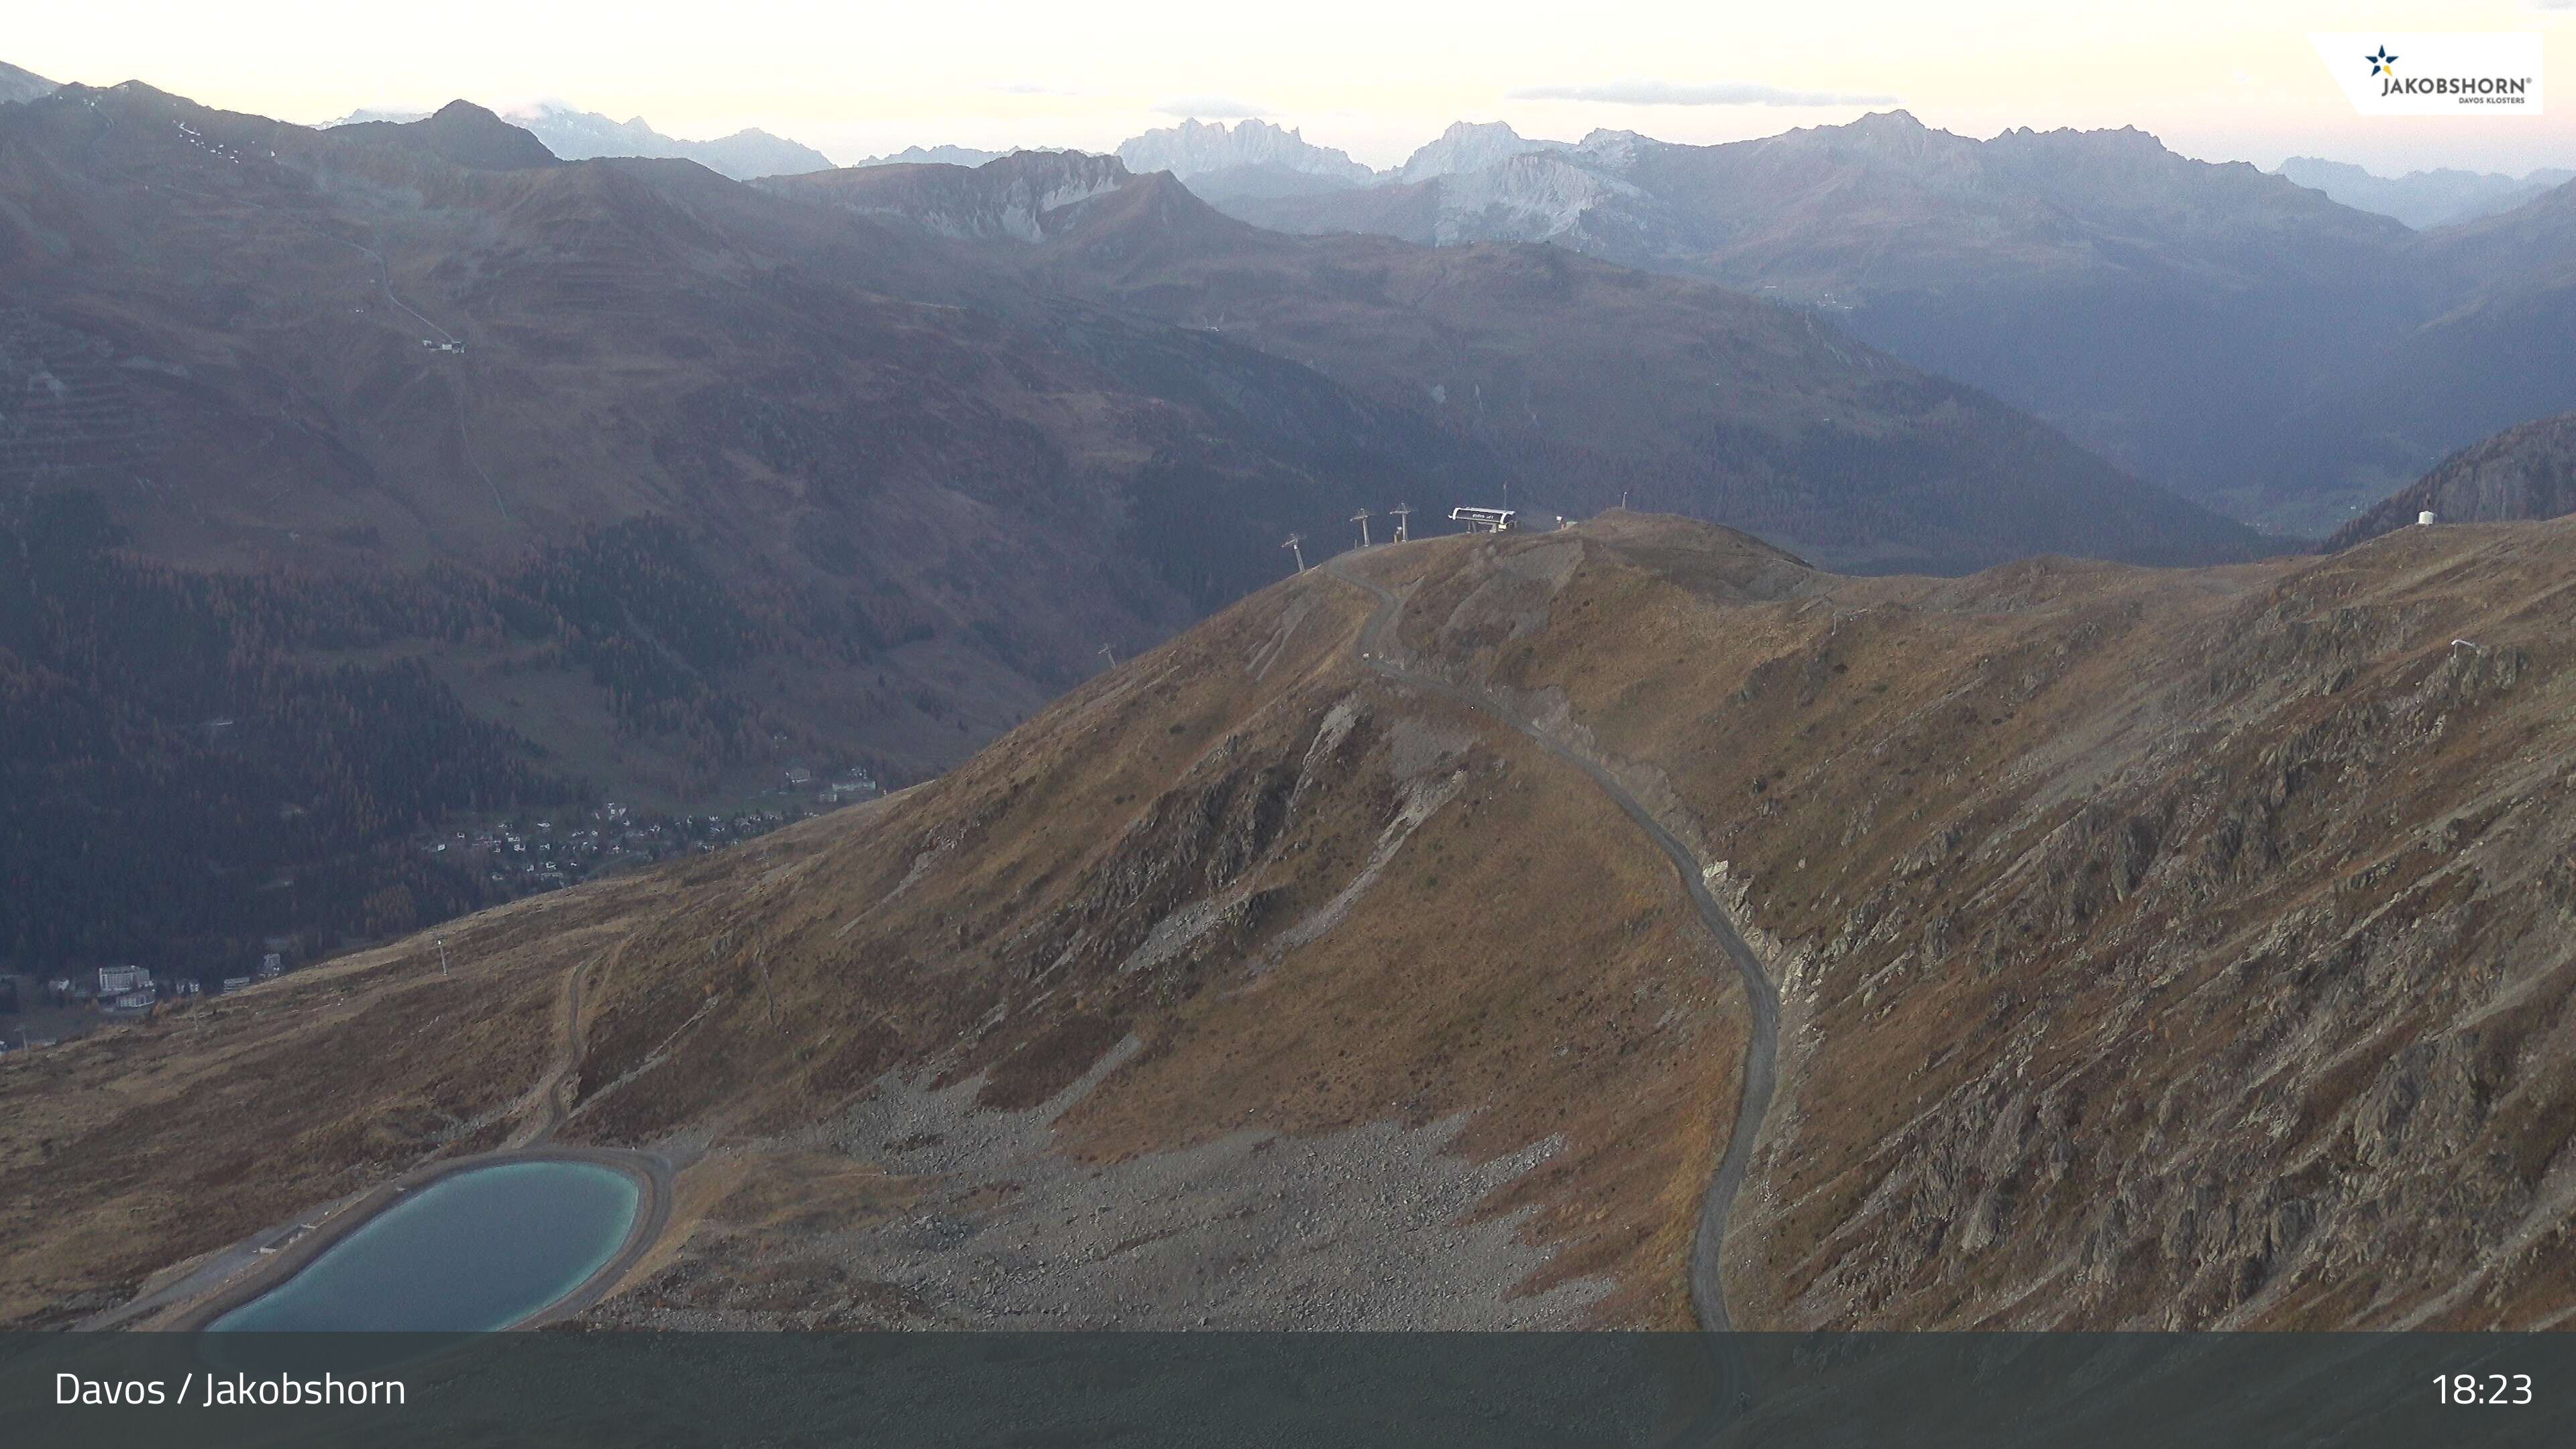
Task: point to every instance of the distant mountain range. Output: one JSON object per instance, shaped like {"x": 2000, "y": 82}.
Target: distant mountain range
{"x": 934, "y": 156}
{"x": 1594, "y": 381}
{"x": 574, "y": 135}
{"x": 2422, "y": 199}
{"x": 661, "y": 479}
{"x": 1247, "y": 159}
{"x": 1399, "y": 943}
{"x": 2246, "y": 340}
{"x": 626, "y": 478}
{"x": 1250, "y": 159}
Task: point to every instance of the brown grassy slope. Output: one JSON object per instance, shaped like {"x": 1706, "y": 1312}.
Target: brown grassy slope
{"x": 1246, "y": 773}
{"x": 2169, "y": 949}
{"x": 2156, "y": 948}
{"x": 141, "y": 1147}
{"x": 1002, "y": 921}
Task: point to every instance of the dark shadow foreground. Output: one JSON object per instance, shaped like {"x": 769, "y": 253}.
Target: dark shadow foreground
{"x": 1071, "y": 1389}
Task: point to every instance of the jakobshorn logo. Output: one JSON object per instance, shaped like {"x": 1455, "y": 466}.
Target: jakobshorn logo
{"x": 2454, "y": 73}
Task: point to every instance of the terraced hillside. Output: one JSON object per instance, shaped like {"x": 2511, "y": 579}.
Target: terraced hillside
{"x": 2152, "y": 948}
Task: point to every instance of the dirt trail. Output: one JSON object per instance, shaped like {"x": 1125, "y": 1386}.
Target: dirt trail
{"x": 551, "y": 1096}
{"x": 1380, "y": 652}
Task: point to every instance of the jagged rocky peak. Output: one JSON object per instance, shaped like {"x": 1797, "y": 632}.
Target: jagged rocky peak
{"x": 1616, "y": 150}
{"x": 1056, "y": 170}
{"x": 1893, "y": 133}
{"x": 2128, "y": 139}
{"x": 1196, "y": 148}
{"x": 1898, "y": 122}
{"x": 1471, "y": 146}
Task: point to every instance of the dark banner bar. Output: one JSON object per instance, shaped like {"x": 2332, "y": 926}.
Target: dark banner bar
{"x": 88, "y": 1391}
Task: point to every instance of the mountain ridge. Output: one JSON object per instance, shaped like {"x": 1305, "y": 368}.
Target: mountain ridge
{"x": 22, "y": 85}
{"x": 652, "y": 485}
{"x": 1737, "y": 414}
{"x": 462, "y": 134}
{"x": 2445, "y": 196}
{"x": 577, "y": 135}
{"x": 2004, "y": 262}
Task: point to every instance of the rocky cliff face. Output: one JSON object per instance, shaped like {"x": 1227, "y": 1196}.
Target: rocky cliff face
{"x": 1020, "y": 197}
{"x": 2527, "y": 472}
{"x": 1469, "y": 146}
{"x": 2150, "y": 958}
{"x": 1539, "y": 196}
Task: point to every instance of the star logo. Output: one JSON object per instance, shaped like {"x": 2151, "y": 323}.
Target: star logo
{"x": 2383, "y": 63}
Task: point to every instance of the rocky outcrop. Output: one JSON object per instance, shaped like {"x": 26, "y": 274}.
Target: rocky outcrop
{"x": 1020, "y": 197}
{"x": 1470, "y": 146}
{"x": 2523, "y": 473}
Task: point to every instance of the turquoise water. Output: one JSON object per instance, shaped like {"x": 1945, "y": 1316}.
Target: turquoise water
{"x": 480, "y": 1250}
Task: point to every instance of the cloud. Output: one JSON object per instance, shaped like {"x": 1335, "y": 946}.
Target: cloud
{"x": 1213, "y": 108}
{"x": 1717, "y": 93}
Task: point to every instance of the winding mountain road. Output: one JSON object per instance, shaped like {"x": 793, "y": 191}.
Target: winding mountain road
{"x": 1381, "y": 652}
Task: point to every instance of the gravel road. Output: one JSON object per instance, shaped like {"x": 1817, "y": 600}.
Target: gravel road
{"x": 1381, "y": 652}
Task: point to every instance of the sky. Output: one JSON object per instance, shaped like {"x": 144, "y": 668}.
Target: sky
{"x": 2216, "y": 79}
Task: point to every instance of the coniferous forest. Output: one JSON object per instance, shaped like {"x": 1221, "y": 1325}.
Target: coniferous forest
{"x": 191, "y": 763}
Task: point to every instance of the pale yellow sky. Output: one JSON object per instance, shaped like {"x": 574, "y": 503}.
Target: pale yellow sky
{"x": 2220, "y": 79}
